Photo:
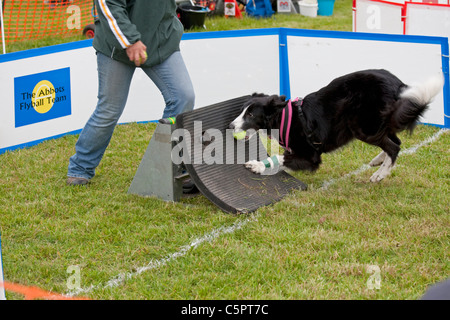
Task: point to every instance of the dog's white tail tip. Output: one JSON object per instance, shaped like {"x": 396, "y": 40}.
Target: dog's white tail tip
{"x": 424, "y": 93}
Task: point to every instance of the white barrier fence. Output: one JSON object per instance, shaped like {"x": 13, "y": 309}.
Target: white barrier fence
{"x": 419, "y": 17}
{"x": 52, "y": 91}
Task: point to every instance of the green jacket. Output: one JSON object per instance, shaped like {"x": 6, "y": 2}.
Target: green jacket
{"x": 121, "y": 23}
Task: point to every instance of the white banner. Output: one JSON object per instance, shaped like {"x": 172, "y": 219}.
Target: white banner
{"x": 222, "y": 66}
{"x": 427, "y": 19}
{"x": 378, "y": 17}
{"x": 320, "y": 60}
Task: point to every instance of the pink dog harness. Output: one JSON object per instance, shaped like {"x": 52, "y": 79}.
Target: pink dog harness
{"x": 285, "y": 127}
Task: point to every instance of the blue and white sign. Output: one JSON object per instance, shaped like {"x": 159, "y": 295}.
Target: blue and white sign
{"x": 41, "y": 97}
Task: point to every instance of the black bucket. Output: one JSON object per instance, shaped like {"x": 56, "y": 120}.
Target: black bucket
{"x": 191, "y": 16}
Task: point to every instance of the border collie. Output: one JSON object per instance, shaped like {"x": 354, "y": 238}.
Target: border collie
{"x": 370, "y": 105}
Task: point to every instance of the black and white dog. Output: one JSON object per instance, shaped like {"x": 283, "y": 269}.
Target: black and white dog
{"x": 370, "y": 105}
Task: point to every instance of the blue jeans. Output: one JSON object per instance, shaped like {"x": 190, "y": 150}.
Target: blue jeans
{"x": 114, "y": 78}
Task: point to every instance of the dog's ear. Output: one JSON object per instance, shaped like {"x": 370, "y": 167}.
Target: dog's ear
{"x": 276, "y": 102}
{"x": 273, "y": 104}
{"x": 258, "y": 95}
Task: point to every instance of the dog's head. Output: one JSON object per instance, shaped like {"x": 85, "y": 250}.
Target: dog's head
{"x": 257, "y": 113}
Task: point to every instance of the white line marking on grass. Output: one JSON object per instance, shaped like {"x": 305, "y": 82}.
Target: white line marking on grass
{"x": 216, "y": 233}
{"x": 365, "y": 167}
{"x": 431, "y": 139}
{"x": 330, "y": 182}
{"x": 155, "y": 264}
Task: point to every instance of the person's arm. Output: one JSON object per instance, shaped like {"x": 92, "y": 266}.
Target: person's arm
{"x": 114, "y": 13}
{"x": 137, "y": 52}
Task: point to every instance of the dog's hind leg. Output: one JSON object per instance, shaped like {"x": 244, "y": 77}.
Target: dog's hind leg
{"x": 384, "y": 170}
{"x": 390, "y": 149}
{"x": 378, "y": 160}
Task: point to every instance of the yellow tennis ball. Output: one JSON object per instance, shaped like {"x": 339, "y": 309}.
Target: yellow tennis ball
{"x": 239, "y": 135}
{"x": 144, "y": 59}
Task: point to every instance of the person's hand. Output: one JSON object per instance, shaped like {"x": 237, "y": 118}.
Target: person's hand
{"x": 137, "y": 53}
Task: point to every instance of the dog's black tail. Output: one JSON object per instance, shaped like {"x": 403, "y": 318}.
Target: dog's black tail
{"x": 414, "y": 101}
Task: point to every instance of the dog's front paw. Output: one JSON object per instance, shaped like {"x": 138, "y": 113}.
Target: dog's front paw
{"x": 255, "y": 166}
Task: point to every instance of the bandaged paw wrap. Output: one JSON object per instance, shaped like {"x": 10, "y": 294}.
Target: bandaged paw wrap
{"x": 271, "y": 162}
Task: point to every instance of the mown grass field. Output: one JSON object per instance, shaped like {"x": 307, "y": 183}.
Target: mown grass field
{"x": 332, "y": 241}
{"x": 316, "y": 244}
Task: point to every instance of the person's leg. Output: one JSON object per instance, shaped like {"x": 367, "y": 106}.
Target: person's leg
{"x": 172, "y": 79}
{"x": 114, "y": 80}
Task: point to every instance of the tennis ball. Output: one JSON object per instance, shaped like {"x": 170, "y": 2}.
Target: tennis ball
{"x": 144, "y": 59}
{"x": 239, "y": 135}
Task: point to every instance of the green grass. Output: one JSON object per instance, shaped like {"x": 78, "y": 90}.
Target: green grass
{"x": 316, "y": 244}
{"x": 312, "y": 245}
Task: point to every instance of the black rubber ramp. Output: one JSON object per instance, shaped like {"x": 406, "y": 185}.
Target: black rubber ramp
{"x": 232, "y": 187}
